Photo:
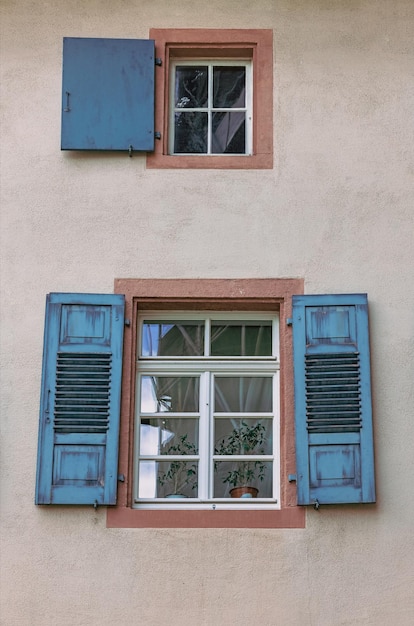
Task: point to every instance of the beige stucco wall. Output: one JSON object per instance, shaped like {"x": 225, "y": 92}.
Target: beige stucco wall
{"x": 335, "y": 210}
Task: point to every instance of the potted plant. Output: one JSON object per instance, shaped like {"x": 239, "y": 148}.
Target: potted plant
{"x": 180, "y": 475}
{"x": 244, "y": 439}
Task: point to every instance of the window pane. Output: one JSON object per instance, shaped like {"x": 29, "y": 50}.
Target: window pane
{"x": 168, "y": 436}
{"x": 191, "y": 86}
{"x": 229, "y": 87}
{"x": 190, "y": 132}
{"x": 241, "y": 339}
{"x": 161, "y": 394}
{"x": 172, "y": 338}
{"x": 243, "y": 394}
{"x": 231, "y": 475}
{"x": 243, "y": 436}
{"x": 168, "y": 479}
{"x": 229, "y": 133}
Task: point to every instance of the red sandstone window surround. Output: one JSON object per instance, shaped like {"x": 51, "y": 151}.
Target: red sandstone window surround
{"x": 252, "y": 45}
{"x": 237, "y": 295}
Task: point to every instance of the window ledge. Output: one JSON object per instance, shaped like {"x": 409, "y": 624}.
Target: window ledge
{"x": 123, "y": 517}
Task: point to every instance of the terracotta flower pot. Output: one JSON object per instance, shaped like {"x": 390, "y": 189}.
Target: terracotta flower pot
{"x": 244, "y": 492}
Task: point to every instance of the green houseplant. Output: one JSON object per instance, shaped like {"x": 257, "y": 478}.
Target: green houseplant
{"x": 244, "y": 440}
{"x": 179, "y": 475}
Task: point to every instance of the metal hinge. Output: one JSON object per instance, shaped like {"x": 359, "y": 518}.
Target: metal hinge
{"x": 158, "y": 61}
{"x": 289, "y": 321}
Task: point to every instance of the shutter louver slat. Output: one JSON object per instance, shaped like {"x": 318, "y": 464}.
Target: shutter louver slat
{"x": 333, "y": 393}
{"x": 85, "y": 406}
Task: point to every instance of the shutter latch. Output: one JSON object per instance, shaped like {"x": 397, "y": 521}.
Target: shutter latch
{"x": 316, "y": 504}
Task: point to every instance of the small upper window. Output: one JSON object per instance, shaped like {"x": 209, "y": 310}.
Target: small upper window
{"x": 211, "y": 107}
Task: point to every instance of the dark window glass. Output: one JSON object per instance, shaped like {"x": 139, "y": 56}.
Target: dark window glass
{"x": 229, "y": 87}
{"x": 191, "y": 87}
{"x": 241, "y": 339}
{"x": 190, "y": 134}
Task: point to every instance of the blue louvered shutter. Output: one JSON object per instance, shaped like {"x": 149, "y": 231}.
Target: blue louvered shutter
{"x": 108, "y": 94}
{"x": 333, "y": 415}
{"x": 80, "y": 399}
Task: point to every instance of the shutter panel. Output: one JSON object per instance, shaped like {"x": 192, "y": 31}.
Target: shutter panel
{"x": 333, "y": 416}
{"x": 80, "y": 399}
{"x": 108, "y": 94}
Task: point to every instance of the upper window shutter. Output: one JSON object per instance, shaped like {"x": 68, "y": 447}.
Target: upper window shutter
{"x": 108, "y": 94}
{"x": 333, "y": 415}
{"x": 80, "y": 399}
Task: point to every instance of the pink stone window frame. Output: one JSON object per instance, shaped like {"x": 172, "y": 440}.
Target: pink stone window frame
{"x": 214, "y": 294}
{"x": 255, "y": 44}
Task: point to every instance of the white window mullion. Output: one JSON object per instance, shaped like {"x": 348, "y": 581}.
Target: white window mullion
{"x": 204, "y": 438}
{"x": 210, "y": 107}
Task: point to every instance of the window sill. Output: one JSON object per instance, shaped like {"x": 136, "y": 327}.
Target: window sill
{"x": 123, "y": 517}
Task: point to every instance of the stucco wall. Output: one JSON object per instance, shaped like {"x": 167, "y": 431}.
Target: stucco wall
{"x": 336, "y": 209}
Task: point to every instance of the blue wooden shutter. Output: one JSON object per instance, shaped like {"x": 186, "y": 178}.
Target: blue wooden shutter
{"x": 108, "y": 94}
{"x": 333, "y": 416}
{"x": 80, "y": 399}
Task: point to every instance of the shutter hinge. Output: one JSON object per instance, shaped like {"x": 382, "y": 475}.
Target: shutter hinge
{"x": 157, "y": 135}
{"x": 289, "y": 321}
{"x": 158, "y": 61}
{"x": 127, "y": 322}
{"x": 292, "y": 478}
{"x": 121, "y": 478}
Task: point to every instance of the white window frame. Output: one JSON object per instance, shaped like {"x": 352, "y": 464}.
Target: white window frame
{"x": 206, "y": 367}
{"x": 248, "y": 108}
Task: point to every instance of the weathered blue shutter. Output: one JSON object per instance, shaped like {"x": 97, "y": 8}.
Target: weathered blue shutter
{"x": 80, "y": 399}
{"x": 108, "y": 94}
{"x": 333, "y": 415}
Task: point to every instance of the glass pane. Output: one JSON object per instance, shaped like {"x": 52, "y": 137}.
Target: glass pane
{"x": 243, "y": 394}
{"x": 246, "y": 339}
{"x": 191, "y": 86}
{"x": 229, "y": 133}
{"x": 160, "y": 394}
{"x": 172, "y": 338}
{"x": 168, "y": 436}
{"x": 243, "y": 436}
{"x": 168, "y": 479}
{"x": 229, "y": 87}
{"x": 243, "y": 479}
{"x": 190, "y": 133}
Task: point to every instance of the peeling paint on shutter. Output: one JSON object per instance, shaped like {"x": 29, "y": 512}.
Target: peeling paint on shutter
{"x": 80, "y": 399}
{"x": 333, "y": 416}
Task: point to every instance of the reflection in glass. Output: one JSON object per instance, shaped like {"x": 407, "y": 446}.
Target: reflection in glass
{"x": 243, "y": 394}
{"x": 229, "y": 133}
{"x": 231, "y": 475}
{"x": 190, "y": 132}
{"x": 191, "y": 86}
{"x": 168, "y": 436}
{"x": 167, "y": 479}
{"x": 160, "y": 394}
{"x": 175, "y": 338}
{"x": 241, "y": 338}
{"x": 229, "y": 86}
{"x": 243, "y": 436}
